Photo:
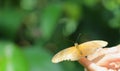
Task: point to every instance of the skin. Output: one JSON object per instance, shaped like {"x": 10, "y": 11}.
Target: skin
{"x": 105, "y": 59}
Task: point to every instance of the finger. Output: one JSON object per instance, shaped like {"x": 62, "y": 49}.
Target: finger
{"x": 94, "y": 67}
{"x": 84, "y": 61}
{"x": 90, "y": 66}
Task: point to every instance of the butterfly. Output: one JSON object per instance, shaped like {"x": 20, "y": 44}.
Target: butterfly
{"x": 74, "y": 53}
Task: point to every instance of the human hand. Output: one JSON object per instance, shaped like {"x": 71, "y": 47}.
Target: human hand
{"x": 105, "y": 59}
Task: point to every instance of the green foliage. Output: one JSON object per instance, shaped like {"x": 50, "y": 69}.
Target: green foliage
{"x": 42, "y": 27}
{"x": 74, "y": 13}
{"x": 40, "y": 59}
{"x": 70, "y": 27}
{"x": 28, "y": 4}
{"x": 111, "y": 4}
{"x": 90, "y": 3}
{"x": 49, "y": 18}
{"x": 10, "y": 19}
{"x": 11, "y": 57}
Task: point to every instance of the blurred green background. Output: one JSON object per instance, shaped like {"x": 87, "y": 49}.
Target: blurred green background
{"x": 32, "y": 31}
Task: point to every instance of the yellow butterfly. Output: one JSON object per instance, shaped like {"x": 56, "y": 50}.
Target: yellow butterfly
{"x": 76, "y": 52}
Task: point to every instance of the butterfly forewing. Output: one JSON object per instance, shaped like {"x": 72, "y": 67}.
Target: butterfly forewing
{"x": 91, "y": 46}
{"x": 70, "y": 53}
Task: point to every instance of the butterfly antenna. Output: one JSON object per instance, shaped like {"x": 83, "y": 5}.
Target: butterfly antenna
{"x": 76, "y": 44}
{"x": 77, "y": 38}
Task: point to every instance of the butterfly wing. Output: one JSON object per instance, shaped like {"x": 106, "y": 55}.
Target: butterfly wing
{"x": 70, "y": 53}
{"x": 90, "y": 47}
{"x": 74, "y": 53}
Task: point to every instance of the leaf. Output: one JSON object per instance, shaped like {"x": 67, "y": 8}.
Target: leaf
{"x": 70, "y": 27}
{"x": 111, "y": 4}
{"x": 90, "y": 3}
{"x": 73, "y": 10}
{"x": 10, "y": 22}
{"x": 49, "y": 19}
{"x": 40, "y": 60}
{"x": 28, "y": 4}
{"x": 11, "y": 57}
